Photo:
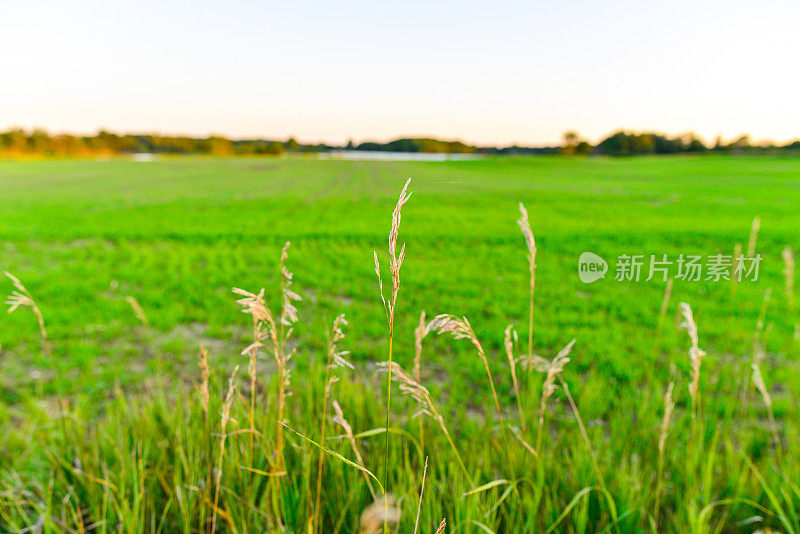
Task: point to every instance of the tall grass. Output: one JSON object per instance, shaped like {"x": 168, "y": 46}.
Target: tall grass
{"x": 199, "y": 456}
{"x": 395, "y": 262}
{"x": 530, "y": 242}
{"x": 335, "y": 359}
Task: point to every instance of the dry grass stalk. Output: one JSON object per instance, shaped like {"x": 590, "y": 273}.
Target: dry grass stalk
{"x": 588, "y": 443}
{"x": 137, "y": 310}
{"x": 460, "y": 328}
{"x": 288, "y": 318}
{"x": 21, "y": 298}
{"x": 335, "y": 359}
{"x": 421, "y": 491}
{"x": 530, "y": 242}
{"x": 508, "y": 341}
{"x": 340, "y": 420}
{"x": 788, "y": 273}
{"x": 419, "y": 335}
{"x": 424, "y": 401}
{"x": 664, "y": 306}
{"x": 254, "y": 305}
{"x": 552, "y": 369}
{"x": 758, "y": 339}
{"x": 442, "y": 526}
{"x": 669, "y": 407}
{"x": 224, "y": 420}
{"x": 695, "y": 353}
{"x": 278, "y": 332}
{"x": 738, "y": 265}
{"x": 380, "y": 283}
{"x": 524, "y": 443}
{"x": 380, "y": 515}
{"x": 758, "y": 381}
{"x": 205, "y": 397}
{"x": 395, "y": 262}
{"x": 751, "y": 243}
{"x": 205, "y": 373}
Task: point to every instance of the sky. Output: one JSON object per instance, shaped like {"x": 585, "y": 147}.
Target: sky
{"x": 498, "y": 72}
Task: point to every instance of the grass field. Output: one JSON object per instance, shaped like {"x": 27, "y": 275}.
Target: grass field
{"x": 178, "y": 234}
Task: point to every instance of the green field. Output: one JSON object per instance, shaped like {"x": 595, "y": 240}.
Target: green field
{"x": 178, "y": 234}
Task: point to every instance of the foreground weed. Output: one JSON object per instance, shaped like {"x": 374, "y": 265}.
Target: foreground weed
{"x": 460, "y": 328}
{"x": 335, "y": 359}
{"x": 695, "y": 355}
{"x": 552, "y": 370}
{"x": 425, "y": 403}
{"x": 395, "y": 262}
{"x": 21, "y": 297}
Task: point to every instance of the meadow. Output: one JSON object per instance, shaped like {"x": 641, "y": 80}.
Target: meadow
{"x": 132, "y": 265}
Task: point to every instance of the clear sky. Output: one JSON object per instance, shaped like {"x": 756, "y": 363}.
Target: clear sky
{"x": 485, "y": 72}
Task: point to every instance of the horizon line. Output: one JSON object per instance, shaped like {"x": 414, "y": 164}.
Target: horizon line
{"x": 356, "y": 141}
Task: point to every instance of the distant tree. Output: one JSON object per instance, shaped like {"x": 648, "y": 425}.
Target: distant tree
{"x": 218, "y": 146}
{"x": 794, "y": 145}
{"x": 621, "y": 143}
{"x": 741, "y": 142}
{"x": 275, "y": 148}
{"x": 616, "y": 144}
{"x": 695, "y": 145}
{"x": 583, "y": 148}
{"x": 570, "y": 139}
{"x": 573, "y": 144}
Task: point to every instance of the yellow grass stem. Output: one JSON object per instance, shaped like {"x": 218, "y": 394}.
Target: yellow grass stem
{"x": 669, "y": 406}
{"x": 530, "y": 242}
{"x": 508, "y": 342}
{"x": 335, "y": 359}
{"x": 395, "y": 262}
{"x": 224, "y": 420}
{"x": 419, "y": 334}
{"x": 460, "y": 328}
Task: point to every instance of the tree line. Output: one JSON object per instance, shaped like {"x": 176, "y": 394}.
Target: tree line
{"x": 17, "y": 142}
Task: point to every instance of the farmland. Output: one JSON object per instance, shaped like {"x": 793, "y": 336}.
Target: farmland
{"x": 177, "y": 234}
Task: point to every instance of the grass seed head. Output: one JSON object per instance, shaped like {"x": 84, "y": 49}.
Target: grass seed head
{"x": 696, "y": 354}
{"x": 288, "y": 309}
{"x": 382, "y": 513}
{"x": 751, "y": 243}
{"x": 556, "y": 365}
{"x": 228, "y": 403}
{"x": 22, "y": 298}
{"x": 137, "y": 309}
{"x": 459, "y": 327}
{"x": 419, "y": 335}
{"x": 412, "y": 388}
{"x": 758, "y": 381}
{"x": 530, "y": 242}
{"x": 336, "y": 357}
{"x": 669, "y": 407}
{"x": 788, "y": 273}
{"x": 205, "y": 374}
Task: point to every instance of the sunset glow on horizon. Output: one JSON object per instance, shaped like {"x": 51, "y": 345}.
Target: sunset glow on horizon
{"x": 512, "y": 72}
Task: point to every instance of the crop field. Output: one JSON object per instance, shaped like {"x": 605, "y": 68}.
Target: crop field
{"x": 132, "y": 265}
